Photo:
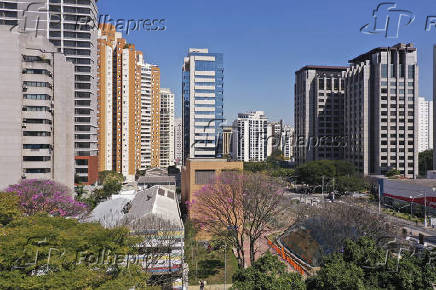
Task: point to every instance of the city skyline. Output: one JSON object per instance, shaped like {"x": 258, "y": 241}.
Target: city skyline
{"x": 280, "y": 29}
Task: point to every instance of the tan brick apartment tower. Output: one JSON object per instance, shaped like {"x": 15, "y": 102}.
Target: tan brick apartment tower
{"x": 119, "y": 103}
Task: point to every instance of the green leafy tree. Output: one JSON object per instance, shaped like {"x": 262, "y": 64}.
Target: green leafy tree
{"x": 173, "y": 170}
{"x": 111, "y": 185}
{"x": 365, "y": 265}
{"x": 350, "y": 183}
{"x": 312, "y": 172}
{"x": 276, "y": 156}
{"x": 344, "y": 168}
{"x": 267, "y": 273}
{"x": 425, "y": 161}
{"x": 393, "y": 172}
{"x": 103, "y": 175}
{"x": 9, "y": 207}
{"x": 42, "y": 252}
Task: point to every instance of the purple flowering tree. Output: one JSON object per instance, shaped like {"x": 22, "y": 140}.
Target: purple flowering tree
{"x": 47, "y": 196}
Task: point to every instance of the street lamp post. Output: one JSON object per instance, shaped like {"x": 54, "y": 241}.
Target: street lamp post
{"x": 230, "y": 228}
{"x": 411, "y": 204}
{"x": 322, "y": 189}
{"x": 425, "y": 209}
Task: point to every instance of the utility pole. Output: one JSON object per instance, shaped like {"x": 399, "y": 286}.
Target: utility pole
{"x": 379, "y": 198}
{"x": 425, "y": 209}
{"x": 322, "y": 188}
{"x": 225, "y": 264}
{"x": 411, "y": 206}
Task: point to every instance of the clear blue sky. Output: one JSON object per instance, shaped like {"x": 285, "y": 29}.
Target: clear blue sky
{"x": 265, "y": 42}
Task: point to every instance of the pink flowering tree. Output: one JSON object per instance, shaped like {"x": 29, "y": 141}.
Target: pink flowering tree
{"x": 240, "y": 206}
{"x": 46, "y": 196}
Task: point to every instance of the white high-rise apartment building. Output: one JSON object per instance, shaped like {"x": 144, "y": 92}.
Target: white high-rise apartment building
{"x": 72, "y": 27}
{"x": 36, "y": 114}
{"x": 288, "y": 140}
{"x": 178, "y": 141}
{"x": 166, "y": 127}
{"x": 425, "y": 117}
{"x": 146, "y": 115}
{"x": 252, "y": 139}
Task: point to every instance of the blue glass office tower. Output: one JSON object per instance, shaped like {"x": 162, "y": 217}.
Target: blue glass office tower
{"x": 202, "y": 100}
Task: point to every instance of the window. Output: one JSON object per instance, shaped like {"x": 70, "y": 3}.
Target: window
{"x": 37, "y": 170}
{"x": 321, "y": 84}
{"x": 36, "y": 97}
{"x": 384, "y": 70}
{"x": 411, "y": 71}
{"x": 36, "y": 133}
{"x": 37, "y": 84}
{"x": 36, "y": 158}
{"x": 36, "y": 146}
{"x": 204, "y": 176}
{"x": 36, "y": 108}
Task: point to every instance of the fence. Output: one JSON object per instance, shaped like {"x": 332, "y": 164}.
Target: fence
{"x": 287, "y": 258}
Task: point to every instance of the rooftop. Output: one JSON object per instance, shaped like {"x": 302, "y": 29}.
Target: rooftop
{"x": 409, "y": 47}
{"x": 156, "y": 179}
{"x": 322, "y": 67}
{"x": 153, "y": 203}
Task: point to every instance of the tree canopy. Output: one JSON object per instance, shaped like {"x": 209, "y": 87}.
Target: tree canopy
{"x": 311, "y": 173}
{"x": 267, "y": 273}
{"x": 363, "y": 264}
{"x": 425, "y": 161}
{"x": 45, "y": 252}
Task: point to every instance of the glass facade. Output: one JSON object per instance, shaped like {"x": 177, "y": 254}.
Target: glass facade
{"x": 208, "y": 102}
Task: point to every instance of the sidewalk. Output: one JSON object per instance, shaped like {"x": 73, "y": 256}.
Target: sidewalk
{"x": 211, "y": 287}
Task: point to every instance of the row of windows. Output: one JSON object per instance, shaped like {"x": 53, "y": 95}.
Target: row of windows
{"x": 37, "y": 121}
{"x": 36, "y": 158}
{"x": 394, "y": 84}
{"x": 36, "y": 133}
{"x": 36, "y": 146}
{"x": 37, "y": 84}
{"x": 36, "y": 108}
{"x": 37, "y": 170}
{"x": 37, "y": 71}
{"x": 36, "y": 97}
{"x": 394, "y": 91}
{"x": 32, "y": 58}
{"x": 393, "y": 71}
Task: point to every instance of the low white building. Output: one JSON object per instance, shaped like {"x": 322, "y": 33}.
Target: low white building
{"x": 154, "y": 215}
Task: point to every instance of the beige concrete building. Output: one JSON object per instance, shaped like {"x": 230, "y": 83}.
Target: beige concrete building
{"x": 227, "y": 140}
{"x": 37, "y": 111}
{"x": 200, "y": 171}
{"x": 319, "y": 112}
{"x": 119, "y": 103}
{"x": 381, "y": 105}
{"x": 71, "y": 27}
